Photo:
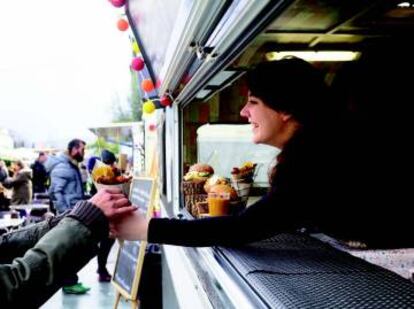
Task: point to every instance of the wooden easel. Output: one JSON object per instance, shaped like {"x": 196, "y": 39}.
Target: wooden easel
{"x": 121, "y": 293}
{"x": 134, "y": 303}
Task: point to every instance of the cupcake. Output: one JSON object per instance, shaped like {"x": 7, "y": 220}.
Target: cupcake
{"x": 215, "y": 180}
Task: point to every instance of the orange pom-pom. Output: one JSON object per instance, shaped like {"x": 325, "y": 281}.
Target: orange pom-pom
{"x": 122, "y": 25}
{"x": 147, "y": 85}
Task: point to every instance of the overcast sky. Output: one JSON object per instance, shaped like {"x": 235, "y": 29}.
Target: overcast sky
{"x": 61, "y": 64}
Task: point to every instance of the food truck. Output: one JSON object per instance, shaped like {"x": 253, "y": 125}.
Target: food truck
{"x": 196, "y": 54}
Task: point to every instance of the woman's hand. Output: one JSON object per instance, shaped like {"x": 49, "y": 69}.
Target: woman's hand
{"x": 133, "y": 226}
{"x": 112, "y": 202}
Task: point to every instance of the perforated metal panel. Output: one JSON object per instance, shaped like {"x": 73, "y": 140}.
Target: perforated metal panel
{"x": 296, "y": 271}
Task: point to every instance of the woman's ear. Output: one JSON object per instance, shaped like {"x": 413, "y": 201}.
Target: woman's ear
{"x": 285, "y": 117}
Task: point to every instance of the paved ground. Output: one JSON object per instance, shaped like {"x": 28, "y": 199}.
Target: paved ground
{"x": 101, "y": 295}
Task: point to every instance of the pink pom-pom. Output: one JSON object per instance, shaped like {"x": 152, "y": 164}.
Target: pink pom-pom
{"x": 118, "y": 3}
{"x": 137, "y": 64}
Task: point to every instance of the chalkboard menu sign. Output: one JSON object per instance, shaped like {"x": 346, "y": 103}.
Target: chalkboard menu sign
{"x": 131, "y": 253}
{"x": 127, "y": 261}
{"x": 141, "y": 192}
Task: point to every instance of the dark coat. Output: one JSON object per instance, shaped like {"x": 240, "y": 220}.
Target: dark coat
{"x": 39, "y": 177}
{"x": 21, "y": 183}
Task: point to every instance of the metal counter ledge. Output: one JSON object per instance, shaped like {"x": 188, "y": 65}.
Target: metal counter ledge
{"x": 286, "y": 271}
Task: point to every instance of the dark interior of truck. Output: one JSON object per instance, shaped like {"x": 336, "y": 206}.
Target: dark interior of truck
{"x": 374, "y": 88}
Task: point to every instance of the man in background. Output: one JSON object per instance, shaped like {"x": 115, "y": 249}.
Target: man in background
{"x": 106, "y": 243}
{"x": 65, "y": 191}
{"x": 39, "y": 174}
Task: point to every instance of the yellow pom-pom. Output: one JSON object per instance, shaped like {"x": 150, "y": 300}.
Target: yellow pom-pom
{"x": 148, "y": 107}
{"x": 135, "y": 48}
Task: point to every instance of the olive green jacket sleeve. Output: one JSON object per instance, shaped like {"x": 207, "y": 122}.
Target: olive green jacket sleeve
{"x": 15, "y": 244}
{"x": 30, "y": 279}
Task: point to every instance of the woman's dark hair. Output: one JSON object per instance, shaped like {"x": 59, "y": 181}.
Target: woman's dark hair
{"x": 293, "y": 86}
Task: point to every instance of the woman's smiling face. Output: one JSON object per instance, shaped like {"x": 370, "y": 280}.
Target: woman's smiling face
{"x": 268, "y": 125}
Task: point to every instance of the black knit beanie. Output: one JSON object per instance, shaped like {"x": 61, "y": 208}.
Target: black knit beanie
{"x": 290, "y": 85}
{"x": 108, "y": 157}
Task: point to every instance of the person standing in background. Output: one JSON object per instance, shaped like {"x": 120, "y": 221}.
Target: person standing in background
{"x": 90, "y": 166}
{"x": 4, "y": 173}
{"x": 21, "y": 183}
{"x": 84, "y": 176}
{"x": 65, "y": 191}
{"x": 106, "y": 243}
{"x": 39, "y": 174}
{"x": 65, "y": 178}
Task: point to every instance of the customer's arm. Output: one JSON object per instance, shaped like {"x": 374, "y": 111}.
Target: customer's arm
{"x": 16, "y": 244}
{"x": 30, "y": 280}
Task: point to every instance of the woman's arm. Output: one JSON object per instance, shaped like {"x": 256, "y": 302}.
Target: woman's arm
{"x": 259, "y": 221}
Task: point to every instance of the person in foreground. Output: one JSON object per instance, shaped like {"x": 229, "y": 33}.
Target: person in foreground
{"x": 35, "y": 260}
{"x": 317, "y": 184}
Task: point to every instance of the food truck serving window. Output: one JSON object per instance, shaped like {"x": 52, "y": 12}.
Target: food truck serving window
{"x": 215, "y": 133}
{"x": 153, "y": 22}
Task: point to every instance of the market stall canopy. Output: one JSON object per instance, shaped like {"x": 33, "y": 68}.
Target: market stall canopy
{"x": 13, "y": 154}
{"x": 118, "y": 133}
